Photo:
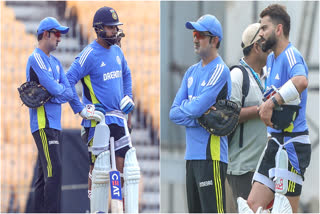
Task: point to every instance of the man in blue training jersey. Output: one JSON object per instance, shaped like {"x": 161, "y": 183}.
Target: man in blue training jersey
{"x": 203, "y": 84}
{"x": 286, "y": 69}
{"x": 45, "y": 121}
{"x": 106, "y": 80}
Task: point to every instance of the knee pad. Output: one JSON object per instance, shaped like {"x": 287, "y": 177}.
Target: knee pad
{"x": 131, "y": 176}
{"x": 100, "y": 183}
{"x": 101, "y": 138}
{"x": 281, "y": 184}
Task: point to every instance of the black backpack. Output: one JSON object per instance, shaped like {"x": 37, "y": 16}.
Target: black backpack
{"x": 245, "y": 91}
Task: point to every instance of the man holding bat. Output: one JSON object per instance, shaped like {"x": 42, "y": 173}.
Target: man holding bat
{"x": 107, "y": 86}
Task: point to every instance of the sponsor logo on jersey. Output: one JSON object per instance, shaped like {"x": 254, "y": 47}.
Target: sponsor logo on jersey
{"x": 277, "y": 77}
{"x": 102, "y": 64}
{"x": 53, "y": 142}
{"x": 118, "y": 60}
{"x": 112, "y": 75}
{"x": 203, "y": 83}
{"x": 190, "y": 81}
{"x": 49, "y": 69}
{"x": 205, "y": 183}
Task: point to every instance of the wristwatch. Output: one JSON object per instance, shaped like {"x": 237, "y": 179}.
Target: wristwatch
{"x": 275, "y": 102}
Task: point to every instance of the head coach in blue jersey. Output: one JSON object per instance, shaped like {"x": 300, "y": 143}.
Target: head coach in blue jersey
{"x": 45, "y": 121}
{"x": 203, "y": 84}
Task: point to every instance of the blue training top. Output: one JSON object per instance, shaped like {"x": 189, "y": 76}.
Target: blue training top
{"x": 48, "y": 71}
{"x": 199, "y": 90}
{"x": 288, "y": 64}
{"x": 106, "y": 79}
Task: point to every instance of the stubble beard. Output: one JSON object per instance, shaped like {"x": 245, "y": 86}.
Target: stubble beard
{"x": 269, "y": 43}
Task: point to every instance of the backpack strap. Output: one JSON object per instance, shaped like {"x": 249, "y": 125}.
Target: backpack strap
{"x": 245, "y": 91}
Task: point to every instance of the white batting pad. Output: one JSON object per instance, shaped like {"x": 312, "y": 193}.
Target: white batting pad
{"x": 281, "y": 184}
{"x": 100, "y": 183}
{"x": 131, "y": 175}
{"x": 281, "y": 204}
{"x": 243, "y": 206}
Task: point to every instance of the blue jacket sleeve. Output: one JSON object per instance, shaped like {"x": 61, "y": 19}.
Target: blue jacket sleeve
{"x": 195, "y": 107}
{"x": 74, "y": 74}
{"x": 67, "y": 95}
{"x": 47, "y": 80}
{"x": 127, "y": 81}
{"x": 176, "y": 114}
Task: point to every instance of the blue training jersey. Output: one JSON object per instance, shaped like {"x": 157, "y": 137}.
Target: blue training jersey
{"x": 288, "y": 64}
{"x": 48, "y": 71}
{"x": 105, "y": 77}
{"x": 201, "y": 87}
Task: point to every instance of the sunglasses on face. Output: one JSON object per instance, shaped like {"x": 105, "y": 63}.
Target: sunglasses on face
{"x": 56, "y": 33}
{"x": 200, "y": 35}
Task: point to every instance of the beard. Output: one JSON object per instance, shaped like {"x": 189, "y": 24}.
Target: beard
{"x": 269, "y": 43}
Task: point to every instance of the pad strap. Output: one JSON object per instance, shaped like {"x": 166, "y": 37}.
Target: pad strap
{"x": 263, "y": 179}
{"x": 283, "y": 173}
{"x": 125, "y": 140}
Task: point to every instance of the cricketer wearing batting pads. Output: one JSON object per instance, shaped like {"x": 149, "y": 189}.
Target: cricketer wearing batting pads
{"x": 286, "y": 69}
{"x": 202, "y": 85}
{"x": 45, "y": 121}
{"x": 106, "y": 79}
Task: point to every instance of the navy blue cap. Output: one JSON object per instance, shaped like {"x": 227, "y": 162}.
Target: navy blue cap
{"x": 106, "y": 16}
{"x": 207, "y": 23}
{"x": 51, "y": 23}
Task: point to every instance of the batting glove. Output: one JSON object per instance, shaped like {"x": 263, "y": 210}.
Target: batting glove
{"x": 91, "y": 112}
{"x": 126, "y": 105}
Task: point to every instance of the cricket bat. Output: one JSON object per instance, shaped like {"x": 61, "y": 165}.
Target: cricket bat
{"x": 115, "y": 183}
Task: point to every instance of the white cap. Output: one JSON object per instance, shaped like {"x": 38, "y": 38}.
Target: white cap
{"x": 250, "y": 35}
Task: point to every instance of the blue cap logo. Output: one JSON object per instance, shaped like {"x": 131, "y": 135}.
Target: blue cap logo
{"x": 51, "y": 23}
{"x": 207, "y": 23}
{"x": 114, "y": 14}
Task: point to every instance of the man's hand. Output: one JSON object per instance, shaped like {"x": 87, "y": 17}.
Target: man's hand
{"x": 93, "y": 112}
{"x": 126, "y": 105}
{"x": 265, "y": 112}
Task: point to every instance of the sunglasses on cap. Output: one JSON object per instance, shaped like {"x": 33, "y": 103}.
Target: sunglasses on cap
{"x": 56, "y": 33}
{"x": 201, "y": 35}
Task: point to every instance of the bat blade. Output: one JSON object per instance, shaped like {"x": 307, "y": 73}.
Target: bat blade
{"x": 116, "y": 195}
{"x": 115, "y": 183}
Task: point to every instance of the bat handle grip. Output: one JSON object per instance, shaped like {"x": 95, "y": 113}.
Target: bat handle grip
{"x": 113, "y": 156}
